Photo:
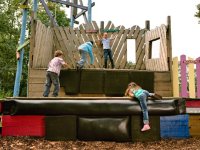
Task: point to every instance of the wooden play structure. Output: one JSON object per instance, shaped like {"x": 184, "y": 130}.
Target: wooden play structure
{"x": 45, "y": 40}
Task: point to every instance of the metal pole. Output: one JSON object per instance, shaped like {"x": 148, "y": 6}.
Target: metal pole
{"x": 20, "y": 61}
{"x": 72, "y": 15}
{"x": 89, "y": 10}
{"x": 35, "y": 6}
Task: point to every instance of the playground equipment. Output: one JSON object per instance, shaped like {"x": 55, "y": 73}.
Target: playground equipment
{"x": 47, "y": 40}
{"x": 186, "y": 85}
{"x": 111, "y": 119}
{"x": 89, "y": 106}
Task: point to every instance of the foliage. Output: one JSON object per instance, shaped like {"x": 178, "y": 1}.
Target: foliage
{"x": 197, "y": 14}
{"x": 10, "y": 26}
{"x": 9, "y": 36}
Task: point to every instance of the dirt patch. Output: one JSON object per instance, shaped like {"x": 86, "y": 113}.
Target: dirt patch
{"x": 29, "y": 143}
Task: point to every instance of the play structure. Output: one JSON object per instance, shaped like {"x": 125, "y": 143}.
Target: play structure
{"x": 91, "y": 103}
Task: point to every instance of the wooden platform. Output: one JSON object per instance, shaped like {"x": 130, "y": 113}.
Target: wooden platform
{"x": 36, "y": 81}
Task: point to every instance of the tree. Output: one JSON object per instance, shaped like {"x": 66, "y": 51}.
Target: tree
{"x": 197, "y": 14}
{"x": 57, "y": 11}
{"x": 9, "y": 36}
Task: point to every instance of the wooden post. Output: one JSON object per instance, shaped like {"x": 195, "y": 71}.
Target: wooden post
{"x": 183, "y": 77}
{"x": 169, "y": 48}
{"x": 198, "y": 76}
{"x": 101, "y": 26}
{"x": 191, "y": 79}
{"x": 169, "y": 43}
{"x": 147, "y": 24}
{"x": 84, "y": 15}
{"x": 175, "y": 77}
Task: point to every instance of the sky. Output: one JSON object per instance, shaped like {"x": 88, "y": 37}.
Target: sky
{"x": 185, "y": 27}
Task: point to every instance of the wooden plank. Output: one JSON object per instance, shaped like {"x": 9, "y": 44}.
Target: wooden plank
{"x": 39, "y": 36}
{"x": 175, "y": 75}
{"x": 74, "y": 43}
{"x": 183, "y": 77}
{"x": 121, "y": 41}
{"x": 32, "y": 40}
{"x": 164, "y": 93}
{"x": 67, "y": 52}
{"x": 115, "y": 40}
{"x": 37, "y": 80}
{"x": 162, "y": 76}
{"x": 131, "y": 33}
{"x": 108, "y": 25}
{"x": 37, "y": 73}
{"x": 163, "y": 86}
{"x": 198, "y": 76}
{"x": 191, "y": 77}
{"x": 162, "y": 31}
{"x": 140, "y": 53}
{"x": 38, "y": 94}
{"x": 137, "y": 31}
{"x": 122, "y": 58}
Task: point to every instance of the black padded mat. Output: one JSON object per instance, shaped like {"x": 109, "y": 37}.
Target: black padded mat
{"x": 70, "y": 80}
{"x": 92, "y": 82}
{"x": 116, "y": 82}
{"x": 144, "y": 79}
{"x": 150, "y": 135}
{"x": 101, "y": 128}
{"x": 60, "y": 127}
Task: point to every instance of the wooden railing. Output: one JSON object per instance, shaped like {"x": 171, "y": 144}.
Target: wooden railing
{"x": 186, "y": 77}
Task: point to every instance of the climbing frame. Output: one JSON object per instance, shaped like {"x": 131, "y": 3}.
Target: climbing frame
{"x": 68, "y": 40}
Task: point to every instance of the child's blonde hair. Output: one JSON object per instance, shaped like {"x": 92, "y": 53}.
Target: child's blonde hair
{"x": 58, "y": 53}
{"x": 131, "y": 85}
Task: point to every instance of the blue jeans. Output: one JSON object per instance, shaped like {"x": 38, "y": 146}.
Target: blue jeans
{"x": 51, "y": 77}
{"x": 108, "y": 53}
{"x": 143, "y": 104}
{"x": 82, "y": 61}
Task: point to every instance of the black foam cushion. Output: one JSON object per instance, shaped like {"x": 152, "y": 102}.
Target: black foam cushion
{"x": 92, "y": 82}
{"x": 60, "y": 127}
{"x": 104, "y": 128}
{"x": 70, "y": 80}
{"x": 91, "y": 107}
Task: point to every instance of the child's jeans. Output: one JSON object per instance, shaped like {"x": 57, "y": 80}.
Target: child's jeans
{"x": 108, "y": 52}
{"x": 51, "y": 77}
{"x": 82, "y": 61}
{"x": 143, "y": 104}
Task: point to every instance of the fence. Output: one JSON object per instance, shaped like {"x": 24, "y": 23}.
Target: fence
{"x": 186, "y": 78}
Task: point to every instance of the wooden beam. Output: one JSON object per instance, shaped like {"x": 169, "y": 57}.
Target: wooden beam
{"x": 83, "y": 11}
{"x": 84, "y": 15}
{"x": 70, "y": 4}
{"x": 49, "y": 13}
{"x": 147, "y": 24}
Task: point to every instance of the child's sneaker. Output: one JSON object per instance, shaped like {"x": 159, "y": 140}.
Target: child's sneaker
{"x": 156, "y": 96}
{"x": 145, "y": 127}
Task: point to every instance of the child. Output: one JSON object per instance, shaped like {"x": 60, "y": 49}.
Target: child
{"x": 107, "y": 49}
{"x": 134, "y": 90}
{"x": 83, "y": 50}
{"x": 53, "y": 71}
